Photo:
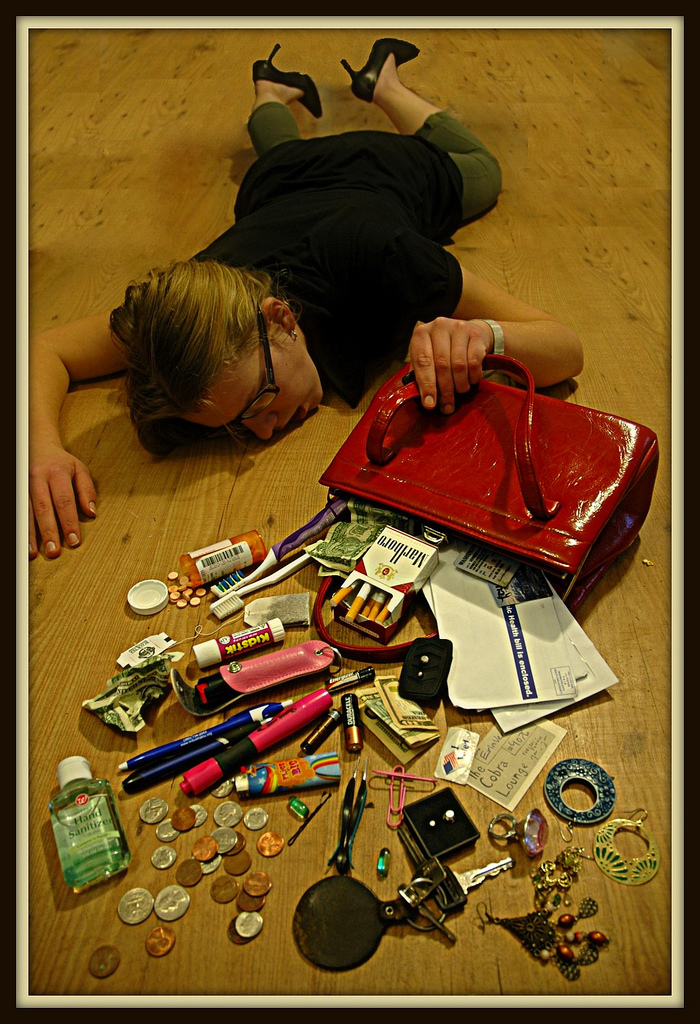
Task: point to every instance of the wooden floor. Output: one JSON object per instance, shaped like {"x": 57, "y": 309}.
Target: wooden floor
{"x": 137, "y": 145}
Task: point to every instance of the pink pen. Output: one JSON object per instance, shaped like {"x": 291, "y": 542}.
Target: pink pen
{"x": 294, "y": 717}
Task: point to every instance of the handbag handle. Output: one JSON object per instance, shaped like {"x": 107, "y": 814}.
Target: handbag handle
{"x": 358, "y": 652}
{"x": 380, "y": 454}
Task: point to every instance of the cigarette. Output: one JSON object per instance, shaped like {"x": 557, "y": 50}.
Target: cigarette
{"x": 358, "y": 603}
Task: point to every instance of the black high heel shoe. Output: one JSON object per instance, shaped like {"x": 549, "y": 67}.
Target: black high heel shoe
{"x": 264, "y": 70}
{"x": 364, "y": 80}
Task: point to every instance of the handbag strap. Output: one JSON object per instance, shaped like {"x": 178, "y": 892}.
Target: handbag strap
{"x": 380, "y": 454}
{"x": 358, "y": 652}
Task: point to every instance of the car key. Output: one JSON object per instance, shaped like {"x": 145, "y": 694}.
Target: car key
{"x": 425, "y": 669}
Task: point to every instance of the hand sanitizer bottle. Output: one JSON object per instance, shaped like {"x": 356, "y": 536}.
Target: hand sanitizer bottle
{"x": 89, "y": 834}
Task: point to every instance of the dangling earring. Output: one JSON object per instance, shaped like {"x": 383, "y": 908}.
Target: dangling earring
{"x": 293, "y": 334}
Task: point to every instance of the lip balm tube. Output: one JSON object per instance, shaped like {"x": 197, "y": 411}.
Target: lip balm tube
{"x": 213, "y": 652}
{"x": 322, "y": 731}
{"x": 353, "y": 727}
{"x": 290, "y": 774}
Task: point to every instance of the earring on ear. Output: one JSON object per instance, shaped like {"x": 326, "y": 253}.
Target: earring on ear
{"x": 293, "y": 334}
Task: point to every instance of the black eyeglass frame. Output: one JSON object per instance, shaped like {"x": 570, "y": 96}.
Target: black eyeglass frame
{"x": 270, "y": 390}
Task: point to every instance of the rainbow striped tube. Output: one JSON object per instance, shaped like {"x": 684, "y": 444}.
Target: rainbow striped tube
{"x": 285, "y": 776}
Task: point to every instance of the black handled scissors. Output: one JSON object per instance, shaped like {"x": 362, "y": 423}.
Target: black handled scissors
{"x": 350, "y": 820}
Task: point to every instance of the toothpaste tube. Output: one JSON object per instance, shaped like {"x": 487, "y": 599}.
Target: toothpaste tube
{"x": 285, "y": 776}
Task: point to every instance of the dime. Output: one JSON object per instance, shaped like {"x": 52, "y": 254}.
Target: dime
{"x": 248, "y": 924}
{"x": 153, "y": 810}
{"x": 270, "y": 844}
{"x": 257, "y": 883}
{"x": 256, "y": 818}
{"x": 210, "y": 866}
{"x": 189, "y": 872}
{"x": 226, "y": 838}
{"x": 228, "y": 813}
{"x": 223, "y": 789}
{"x": 247, "y": 902}
{"x": 160, "y": 941}
{"x": 172, "y": 902}
{"x": 104, "y": 961}
{"x": 233, "y": 934}
{"x": 163, "y": 857}
{"x": 165, "y": 831}
{"x": 224, "y": 889}
{"x": 237, "y": 865}
{"x": 183, "y": 819}
{"x": 201, "y": 814}
{"x": 205, "y": 848}
{"x": 135, "y": 906}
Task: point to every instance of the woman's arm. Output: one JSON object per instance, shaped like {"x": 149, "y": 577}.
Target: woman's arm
{"x": 58, "y": 482}
{"x": 447, "y": 354}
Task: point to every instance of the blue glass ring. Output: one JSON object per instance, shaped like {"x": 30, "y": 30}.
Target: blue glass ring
{"x": 575, "y": 769}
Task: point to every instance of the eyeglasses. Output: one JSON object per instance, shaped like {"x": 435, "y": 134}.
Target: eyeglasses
{"x": 269, "y": 392}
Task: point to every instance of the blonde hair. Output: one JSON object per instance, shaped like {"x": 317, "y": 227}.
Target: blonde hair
{"x": 178, "y": 329}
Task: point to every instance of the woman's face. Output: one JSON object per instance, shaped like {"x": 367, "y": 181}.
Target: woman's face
{"x": 295, "y": 375}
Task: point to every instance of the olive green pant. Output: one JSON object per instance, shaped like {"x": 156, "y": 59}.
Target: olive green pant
{"x": 273, "y": 123}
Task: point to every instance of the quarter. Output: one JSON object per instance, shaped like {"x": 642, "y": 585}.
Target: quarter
{"x": 135, "y": 906}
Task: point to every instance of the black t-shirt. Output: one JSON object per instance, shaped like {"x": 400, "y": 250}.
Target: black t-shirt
{"x": 352, "y": 227}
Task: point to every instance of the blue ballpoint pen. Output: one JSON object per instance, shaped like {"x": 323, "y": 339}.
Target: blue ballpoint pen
{"x": 168, "y": 750}
{"x": 187, "y": 758}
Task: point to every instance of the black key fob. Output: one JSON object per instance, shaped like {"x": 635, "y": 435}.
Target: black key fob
{"x": 425, "y": 669}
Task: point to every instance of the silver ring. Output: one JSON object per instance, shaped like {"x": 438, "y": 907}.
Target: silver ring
{"x": 510, "y": 834}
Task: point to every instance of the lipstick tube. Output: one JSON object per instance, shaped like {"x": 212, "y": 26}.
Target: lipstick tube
{"x": 248, "y": 750}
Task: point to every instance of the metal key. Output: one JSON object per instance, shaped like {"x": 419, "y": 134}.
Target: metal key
{"x": 470, "y": 879}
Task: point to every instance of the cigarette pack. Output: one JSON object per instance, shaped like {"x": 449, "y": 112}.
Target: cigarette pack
{"x": 384, "y": 582}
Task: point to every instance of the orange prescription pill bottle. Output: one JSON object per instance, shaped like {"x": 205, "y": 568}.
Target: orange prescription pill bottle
{"x": 217, "y": 560}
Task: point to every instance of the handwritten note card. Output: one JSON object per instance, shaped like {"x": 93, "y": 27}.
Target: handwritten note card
{"x": 505, "y": 766}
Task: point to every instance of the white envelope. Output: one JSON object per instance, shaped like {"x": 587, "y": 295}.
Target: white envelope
{"x": 599, "y": 676}
{"x": 516, "y": 655}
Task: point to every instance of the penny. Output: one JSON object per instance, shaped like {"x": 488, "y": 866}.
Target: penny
{"x": 256, "y": 818}
{"x": 226, "y": 838}
{"x": 172, "y": 902}
{"x": 240, "y": 843}
{"x": 205, "y": 848}
{"x": 247, "y": 902}
{"x": 228, "y": 813}
{"x": 165, "y": 831}
{"x": 160, "y": 940}
{"x": 201, "y": 814}
{"x": 234, "y": 936}
{"x": 257, "y": 883}
{"x": 153, "y": 810}
{"x": 189, "y": 872}
{"x": 135, "y": 906}
{"x": 183, "y": 819}
{"x": 210, "y": 866}
{"x": 270, "y": 844}
{"x": 163, "y": 857}
{"x": 104, "y": 961}
{"x": 237, "y": 865}
{"x": 223, "y": 789}
{"x": 224, "y": 889}
{"x": 248, "y": 924}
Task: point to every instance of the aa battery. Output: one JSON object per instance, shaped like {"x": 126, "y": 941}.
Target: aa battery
{"x": 317, "y": 735}
{"x": 351, "y": 721}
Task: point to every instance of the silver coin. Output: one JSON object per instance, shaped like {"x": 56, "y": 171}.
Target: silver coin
{"x": 223, "y": 789}
{"x": 248, "y": 924}
{"x": 163, "y": 857}
{"x": 226, "y": 838}
{"x": 135, "y": 906}
{"x": 166, "y": 831}
{"x": 202, "y": 814}
{"x": 229, "y": 814}
{"x": 153, "y": 810}
{"x": 172, "y": 902}
{"x": 210, "y": 866}
{"x": 256, "y": 818}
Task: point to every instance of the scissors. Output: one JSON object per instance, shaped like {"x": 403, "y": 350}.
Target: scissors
{"x": 350, "y": 820}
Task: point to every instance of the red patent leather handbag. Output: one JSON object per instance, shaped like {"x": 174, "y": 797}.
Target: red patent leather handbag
{"x": 550, "y": 483}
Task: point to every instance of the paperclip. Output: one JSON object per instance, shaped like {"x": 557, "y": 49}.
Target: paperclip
{"x": 399, "y": 772}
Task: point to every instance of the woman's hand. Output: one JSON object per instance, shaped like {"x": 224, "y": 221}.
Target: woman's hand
{"x": 447, "y": 356}
{"x": 59, "y": 485}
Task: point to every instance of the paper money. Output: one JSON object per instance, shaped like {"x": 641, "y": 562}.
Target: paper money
{"x": 345, "y": 543}
{"x": 405, "y": 714}
{"x": 374, "y": 713}
{"x": 120, "y": 704}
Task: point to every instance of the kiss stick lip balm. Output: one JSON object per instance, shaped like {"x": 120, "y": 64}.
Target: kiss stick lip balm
{"x": 212, "y": 652}
{"x": 246, "y": 751}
